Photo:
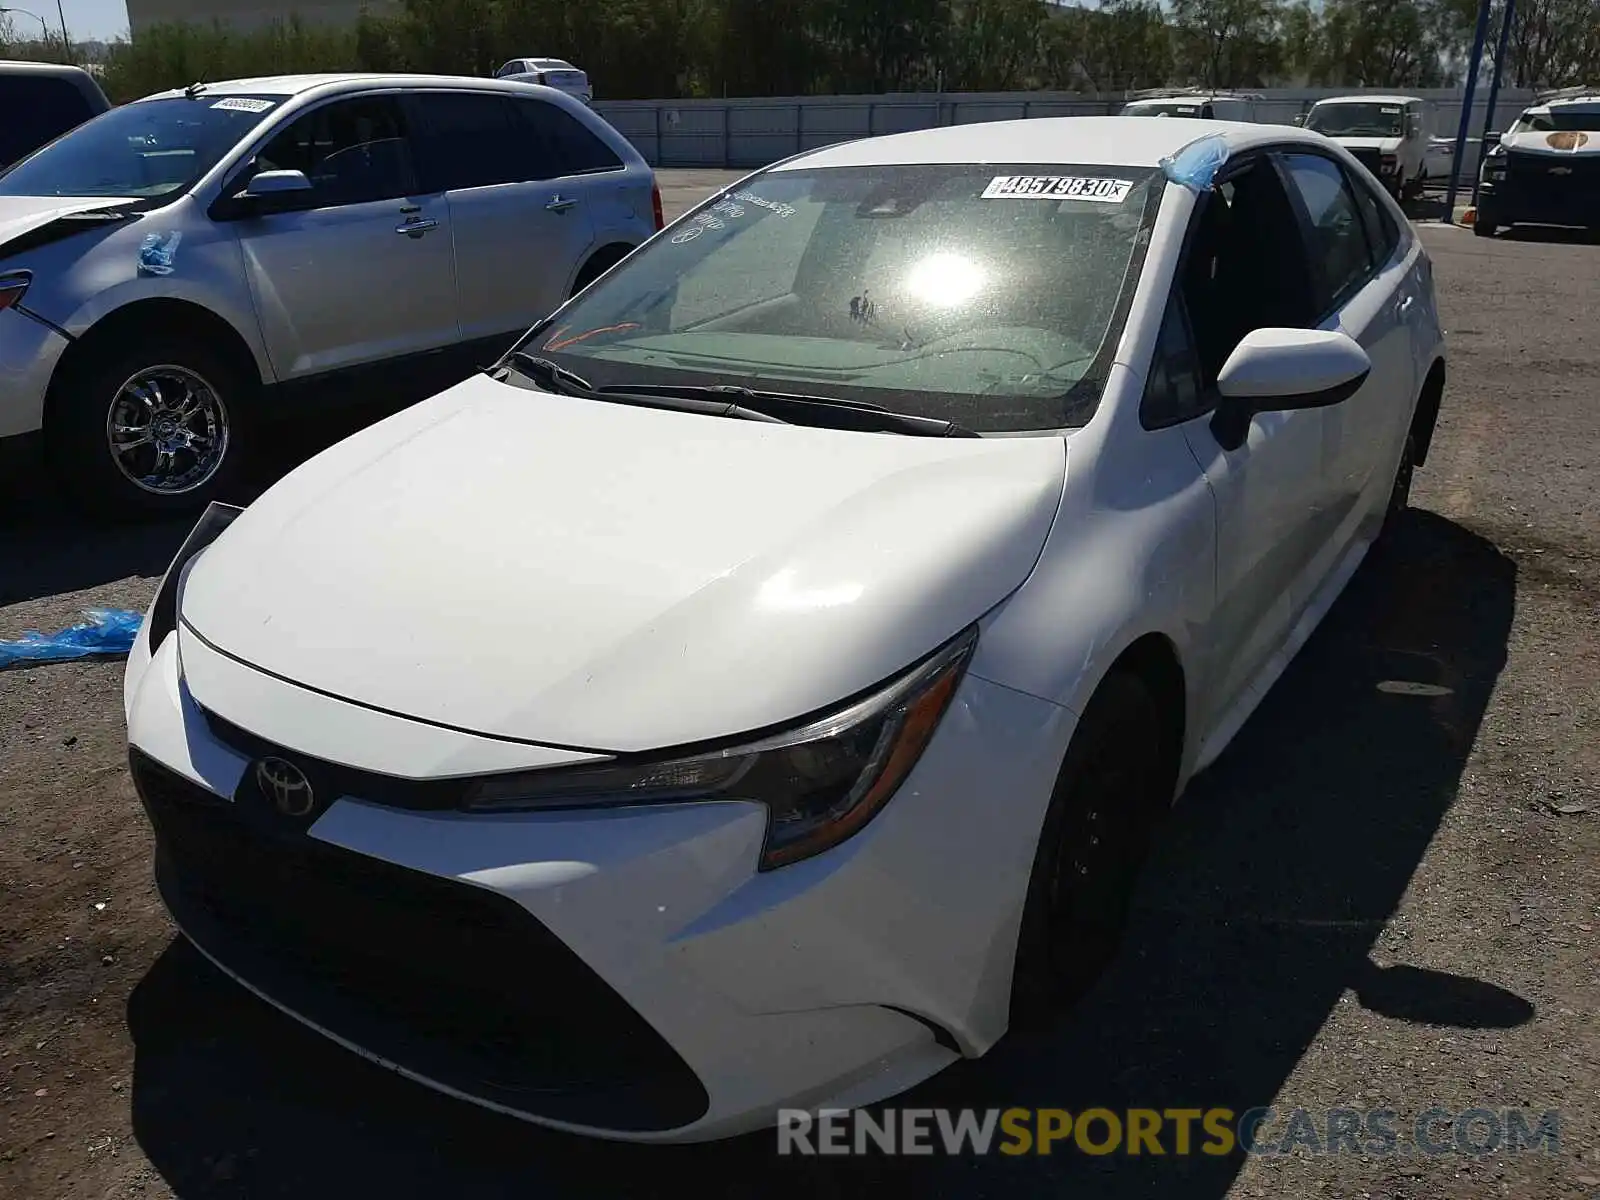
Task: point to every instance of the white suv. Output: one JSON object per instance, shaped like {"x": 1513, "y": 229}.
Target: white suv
{"x": 182, "y": 266}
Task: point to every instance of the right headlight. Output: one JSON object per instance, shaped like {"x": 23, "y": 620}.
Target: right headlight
{"x": 820, "y": 783}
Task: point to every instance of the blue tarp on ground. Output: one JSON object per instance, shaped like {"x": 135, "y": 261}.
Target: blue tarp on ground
{"x": 107, "y": 631}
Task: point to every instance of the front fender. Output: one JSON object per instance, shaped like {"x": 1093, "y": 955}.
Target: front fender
{"x": 1131, "y": 553}
{"x": 175, "y": 253}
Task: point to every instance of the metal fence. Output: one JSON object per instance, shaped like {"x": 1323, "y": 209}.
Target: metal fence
{"x": 757, "y": 131}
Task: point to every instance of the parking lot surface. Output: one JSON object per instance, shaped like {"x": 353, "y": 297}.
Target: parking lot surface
{"x": 1384, "y": 895}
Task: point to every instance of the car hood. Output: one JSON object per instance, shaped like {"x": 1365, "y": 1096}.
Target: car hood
{"x": 23, "y": 214}
{"x": 1560, "y": 142}
{"x": 614, "y": 578}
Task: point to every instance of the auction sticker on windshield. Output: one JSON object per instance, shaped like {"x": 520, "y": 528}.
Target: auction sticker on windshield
{"x": 243, "y": 104}
{"x": 1058, "y": 187}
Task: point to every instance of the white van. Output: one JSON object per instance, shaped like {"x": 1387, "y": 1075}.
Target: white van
{"x": 1388, "y": 135}
{"x": 1206, "y": 106}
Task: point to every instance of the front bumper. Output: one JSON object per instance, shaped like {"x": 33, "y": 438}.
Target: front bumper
{"x": 1558, "y": 200}
{"x": 29, "y": 352}
{"x": 626, "y": 973}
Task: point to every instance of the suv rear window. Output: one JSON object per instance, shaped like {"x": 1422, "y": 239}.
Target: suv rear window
{"x": 35, "y": 109}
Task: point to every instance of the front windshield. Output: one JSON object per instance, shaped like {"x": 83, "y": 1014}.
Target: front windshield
{"x": 148, "y": 149}
{"x": 1558, "y": 121}
{"x": 987, "y": 295}
{"x": 1357, "y": 120}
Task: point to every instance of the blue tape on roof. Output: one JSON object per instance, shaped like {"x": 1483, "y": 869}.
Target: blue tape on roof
{"x": 1196, "y": 164}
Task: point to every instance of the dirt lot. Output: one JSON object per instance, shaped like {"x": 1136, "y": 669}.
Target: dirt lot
{"x": 1381, "y": 897}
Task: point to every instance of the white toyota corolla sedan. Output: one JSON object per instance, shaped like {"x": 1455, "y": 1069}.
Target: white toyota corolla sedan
{"x": 759, "y": 688}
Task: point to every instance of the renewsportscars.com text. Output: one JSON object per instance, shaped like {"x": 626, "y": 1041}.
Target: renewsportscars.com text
{"x": 1175, "y": 1132}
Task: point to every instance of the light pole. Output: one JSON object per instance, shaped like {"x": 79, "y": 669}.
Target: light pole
{"x": 43, "y": 24}
{"x": 66, "y": 39}
{"x": 1473, "y": 67}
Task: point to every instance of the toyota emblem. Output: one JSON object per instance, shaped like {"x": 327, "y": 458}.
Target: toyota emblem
{"x": 286, "y": 786}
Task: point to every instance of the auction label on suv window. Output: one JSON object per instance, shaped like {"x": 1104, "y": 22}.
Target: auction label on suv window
{"x": 1058, "y": 187}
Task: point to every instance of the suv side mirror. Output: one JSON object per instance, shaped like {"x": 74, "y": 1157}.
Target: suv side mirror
{"x": 1491, "y": 138}
{"x": 1278, "y": 370}
{"x": 1300, "y": 119}
{"x": 276, "y": 183}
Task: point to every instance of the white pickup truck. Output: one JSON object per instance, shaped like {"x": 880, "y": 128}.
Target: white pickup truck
{"x": 1389, "y": 135}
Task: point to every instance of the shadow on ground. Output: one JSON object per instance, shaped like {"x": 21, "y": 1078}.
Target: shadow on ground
{"x": 1259, "y": 912}
{"x": 47, "y": 548}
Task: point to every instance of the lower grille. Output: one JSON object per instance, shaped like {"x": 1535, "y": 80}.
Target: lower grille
{"x": 1563, "y": 190}
{"x": 1372, "y": 160}
{"x": 458, "y": 984}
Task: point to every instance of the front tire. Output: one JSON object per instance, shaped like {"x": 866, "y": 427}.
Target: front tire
{"x": 1115, "y": 783}
{"x": 149, "y": 427}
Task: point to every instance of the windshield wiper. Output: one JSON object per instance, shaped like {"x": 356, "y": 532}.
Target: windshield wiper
{"x": 795, "y": 410}
{"x": 554, "y": 378}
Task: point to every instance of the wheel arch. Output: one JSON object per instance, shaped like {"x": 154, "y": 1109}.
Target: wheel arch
{"x": 1153, "y": 660}
{"x": 144, "y": 317}
{"x": 1426, "y": 416}
{"x": 600, "y": 260}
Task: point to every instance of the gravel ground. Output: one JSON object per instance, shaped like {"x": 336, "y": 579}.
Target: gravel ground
{"x": 1382, "y": 896}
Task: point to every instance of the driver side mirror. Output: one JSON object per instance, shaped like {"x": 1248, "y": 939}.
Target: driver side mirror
{"x": 1300, "y": 119}
{"x": 276, "y": 183}
{"x": 1279, "y": 370}
{"x": 1492, "y": 138}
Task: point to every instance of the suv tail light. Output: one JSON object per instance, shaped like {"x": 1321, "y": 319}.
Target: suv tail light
{"x": 655, "y": 205}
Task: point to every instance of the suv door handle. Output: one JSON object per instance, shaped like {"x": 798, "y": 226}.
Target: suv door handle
{"x": 416, "y": 229}
{"x": 1402, "y": 308}
{"x": 558, "y": 204}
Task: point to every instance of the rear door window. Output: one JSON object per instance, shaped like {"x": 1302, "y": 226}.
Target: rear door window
{"x": 470, "y": 140}
{"x": 35, "y": 109}
{"x": 568, "y": 147}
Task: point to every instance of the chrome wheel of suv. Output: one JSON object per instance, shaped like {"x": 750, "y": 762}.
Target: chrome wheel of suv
{"x": 167, "y": 430}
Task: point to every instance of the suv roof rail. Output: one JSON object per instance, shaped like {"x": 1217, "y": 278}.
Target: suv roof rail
{"x": 1178, "y": 92}
{"x": 1583, "y": 91}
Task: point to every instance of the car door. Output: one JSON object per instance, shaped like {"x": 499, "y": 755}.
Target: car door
{"x": 1363, "y": 288}
{"x": 1244, "y": 267}
{"x": 359, "y": 269}
{"x": 520, "y": 229}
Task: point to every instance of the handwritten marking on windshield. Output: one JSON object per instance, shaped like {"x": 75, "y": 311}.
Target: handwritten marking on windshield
{"x": 783, "y": 210}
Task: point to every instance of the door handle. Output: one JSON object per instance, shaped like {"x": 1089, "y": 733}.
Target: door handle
{"x": 1401, "y": 309}
{"x": 559, "y": 204}
{"x": 416, "y": 229}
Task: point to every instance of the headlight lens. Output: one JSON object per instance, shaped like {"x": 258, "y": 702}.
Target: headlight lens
{"x": 820, "y": 783}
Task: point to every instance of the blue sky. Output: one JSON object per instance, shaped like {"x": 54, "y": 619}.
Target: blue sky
{"x": 104, "y": 19}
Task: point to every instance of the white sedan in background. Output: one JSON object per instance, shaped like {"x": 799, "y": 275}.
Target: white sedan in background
{"x": 759, "y": 689}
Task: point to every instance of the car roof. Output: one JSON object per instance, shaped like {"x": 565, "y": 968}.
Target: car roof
{"x": 13, "y": 66}
{"x": 1357, "y": 98}
{"x": 1102, "y": 141}
{"x": 294, "y": 85}
{"x": 1187, "y": 97}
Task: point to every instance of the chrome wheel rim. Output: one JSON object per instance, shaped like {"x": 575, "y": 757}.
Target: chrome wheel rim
{"x": 167, "y": 430}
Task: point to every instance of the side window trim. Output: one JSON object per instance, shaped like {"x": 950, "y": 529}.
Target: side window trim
{"x": 1208, "y": 396}
{"x": 1303, "y": 220}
